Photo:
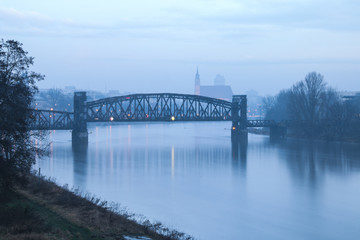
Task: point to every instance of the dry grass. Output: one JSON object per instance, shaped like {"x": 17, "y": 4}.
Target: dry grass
{"x": 48, "y": 211}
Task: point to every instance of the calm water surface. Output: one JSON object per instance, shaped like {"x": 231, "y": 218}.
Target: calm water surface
{"x": 191, "y": 177}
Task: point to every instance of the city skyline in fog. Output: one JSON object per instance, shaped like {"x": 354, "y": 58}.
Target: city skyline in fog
{"x": 138, "y": 46}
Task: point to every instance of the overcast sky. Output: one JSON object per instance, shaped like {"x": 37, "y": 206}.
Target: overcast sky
{"x": 155, "y": 46}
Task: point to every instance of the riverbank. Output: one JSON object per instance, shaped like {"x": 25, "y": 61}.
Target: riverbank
{"x": 266, "y": 131}
{"x": 43, "y": 210}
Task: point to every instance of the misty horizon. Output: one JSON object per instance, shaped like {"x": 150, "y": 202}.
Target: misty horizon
{"x": 135, "y": 46}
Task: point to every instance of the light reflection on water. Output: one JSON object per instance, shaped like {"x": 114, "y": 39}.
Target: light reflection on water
{"x": 191, "y": 177}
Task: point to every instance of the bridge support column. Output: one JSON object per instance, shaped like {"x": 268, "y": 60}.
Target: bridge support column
{"x": 277, "y": 132}
{"x": 80, "y": 133}
{"x": 239, "y": 118}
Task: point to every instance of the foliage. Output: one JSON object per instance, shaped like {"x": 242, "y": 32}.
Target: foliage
{"x": 17, "y": 89}
{"x": 317, "y": 109}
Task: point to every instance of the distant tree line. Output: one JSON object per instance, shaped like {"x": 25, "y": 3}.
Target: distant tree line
{"x": 57, "y": 100}
{"x": 316, "y": 110}
{"x": 60, "y": 100}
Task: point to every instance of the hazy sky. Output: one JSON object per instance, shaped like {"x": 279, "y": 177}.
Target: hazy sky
{"x": 155, "y": 46}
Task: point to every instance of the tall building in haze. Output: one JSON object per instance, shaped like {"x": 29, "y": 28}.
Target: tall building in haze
{"x": 197, "y": 82}
{"x": 219, "y": 90}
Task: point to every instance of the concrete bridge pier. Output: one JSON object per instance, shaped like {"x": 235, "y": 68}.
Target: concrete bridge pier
{"x": 79, "y": 132}
{"x": 239, "y": 154}
{"x": 277, "y": 132}
{"x": 239, "y": 118}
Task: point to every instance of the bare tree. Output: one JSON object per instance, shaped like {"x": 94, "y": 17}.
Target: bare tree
{"x": 317, "y": 108}
{"x": 54, "y": 96}
{"x": 306, "y": 98}
{"x": 56, "y": 99}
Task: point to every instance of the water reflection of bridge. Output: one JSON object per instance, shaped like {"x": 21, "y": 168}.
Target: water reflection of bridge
{"x": 149, "y": 108}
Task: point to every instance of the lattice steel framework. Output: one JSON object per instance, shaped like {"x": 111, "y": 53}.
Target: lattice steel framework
{"x": 154, "y": 107}
{"x": 262, "y": 123}
{"x": 158, "y": 107}
{"x": 51, "y": 120}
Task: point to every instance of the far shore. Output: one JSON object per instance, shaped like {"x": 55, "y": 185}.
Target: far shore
{"x": 266, "y": 131}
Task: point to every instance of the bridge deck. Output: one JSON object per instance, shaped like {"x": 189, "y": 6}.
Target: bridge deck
{"x": 58, "y": 120}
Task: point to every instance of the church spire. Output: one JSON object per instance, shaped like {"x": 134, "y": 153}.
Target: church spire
{"x": 197, "y": 82}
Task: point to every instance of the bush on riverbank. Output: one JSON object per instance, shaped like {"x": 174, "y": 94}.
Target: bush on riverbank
{"x": 44, "y": 210}
{"x": 17, "y": 91}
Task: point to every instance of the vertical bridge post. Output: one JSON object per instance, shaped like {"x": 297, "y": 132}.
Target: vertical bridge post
{"x": 80, "y": 133}
{"x": 239, "y": 117}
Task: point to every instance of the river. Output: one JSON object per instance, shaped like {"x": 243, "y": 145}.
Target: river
{"x": 189, "y": 176}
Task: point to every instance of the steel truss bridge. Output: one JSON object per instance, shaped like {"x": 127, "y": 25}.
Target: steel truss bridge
{"x": 51, "y": 120}
{"x": 143, "y": 107}
{"x": 158, "y": 107}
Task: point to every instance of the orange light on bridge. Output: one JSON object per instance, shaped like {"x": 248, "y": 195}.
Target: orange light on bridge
{"x": 233, "y": 128}
{"x": 51, "y": 109}
{"x": 172, "y": 118}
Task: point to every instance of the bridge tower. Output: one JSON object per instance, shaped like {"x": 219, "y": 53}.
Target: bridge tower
{"x": 239, "y": 117}
{"x": 80, "y": 133}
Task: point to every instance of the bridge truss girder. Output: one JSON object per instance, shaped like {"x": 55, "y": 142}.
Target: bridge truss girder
{"x": 158, "y": 107}
{"x": 51, "y": 120}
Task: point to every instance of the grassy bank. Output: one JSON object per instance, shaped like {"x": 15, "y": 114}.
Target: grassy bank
{"x": 43, "y": 210}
